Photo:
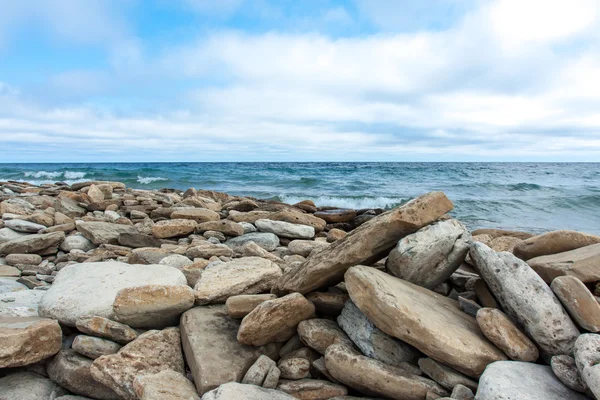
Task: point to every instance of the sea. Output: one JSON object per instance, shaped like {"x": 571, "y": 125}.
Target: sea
{"x": 534, "y": 197}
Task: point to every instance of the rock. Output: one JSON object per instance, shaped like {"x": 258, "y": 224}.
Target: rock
{"x": 7, "y": 234}
{"x": 373, "y": 342}
{"x": 241, "y": 305}
{"x": 20, "y": 225}
{"x": 147, "y": 255}
{"x": 16, "y": 205}
{"x": 173, "y": 228}
{"x": 292, "y": 367}
{"x": 27, "y": 259}
{"x": 335, "y": 216}
{"x": 90, "y": 288}
{"x": 166, "y": 385}
{"x": 152, "y": 306}
{"x": 104, "y": 232}
{"x": 76, "y": 242}
{"x": 215, "y": 357}
{"x": 199, "y": 215}
{"x": 468, "y": 306}
{"x": 516, "y": 380}
{"x": 248, "y": 227}
{"x": 194, "y": 271}
{"x": 152, "y": 352}
{"x": 25, "y": 341}
{"x": 581, "y": 263}
{"x": 305, "y": 247}
{"x": 295, "y": 217}
{"x": 32, "y": 243}
{"x": 258, "y": 371}
{"x": 285, "y": 229}
{"x": 328, "y": 303}
{"x": 10, "y": 286}
{"x": 228, "y": 228}
{"x": 374, "y": 378}
{"x": 72, "y": 371}
{"x": 95, "y": 194}
{"x": 69, "y": 207}
{"x": 335, "y": 234}
{"x": 426, "y": 320}
{"x": 312, "y": 389}
{"x": 238, "y": 391}
{"x": 504, "y": 243}
{"x": 566, "y": 371}
{"x": 445, "y": 376}
{"x": 366, "y": 244}
{"x": 138, "y": 240}
{"x": 103, "y": 327}
{"x": 267, "y": 241}
{"x": 251, "y": 249}
{"x": 553, "y": 243}
{"x": 6, "y": 271}
{"x": 461, "y": 392}
{"x": 319, "y": 334}
{"x": 579, "y": 302}
{"x": 29, "y": 386}
{"x": 22, "y": 303}
{"x": 505, "y": 335}
{"x": 176, "y": 261}
{"x": 494, "y": 233}
{"x": 429, "y": 256}
{"x": 208, "y": 250}
{"x": 248, "y": 275}
{"x": 94, "y": 347}
{"x": 587, "y": 359}
{"x": 275, "y": 320}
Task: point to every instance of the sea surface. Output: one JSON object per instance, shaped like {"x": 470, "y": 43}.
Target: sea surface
{"x": 534, "y": 197}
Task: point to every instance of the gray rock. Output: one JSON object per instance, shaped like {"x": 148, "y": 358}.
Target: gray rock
{"x": 27, "y": 259}
{"x": 176, "y": 261}
{"x": 527, "y": 299}
{"x": 238, "y": 391}
{"x": 445, "y": 376}
{"x": 429, "y": 256}
{"x": 8, "y": 285}
{"x": 517, "y": 380}
{"x": 32, "y": 243}
{"x": 267, "y": 241}
{"x": 20, "y": 225}
{"x": 248, "y": 227}
{"x": 305, "y": 247}
{"x": 587, "y": 359}
{"x": 565, "y": 369}
{"x": 371, "y": 340}
{"x": 104, "y": 232}
{"x": 7, "y": 234}
{"x": 69, "y": 207}
{"x": 29, "y": 386}
{"x": 258, "y": 371}
{"x": 22, "y": 303}
{"x": 76, "y": 242}
{"x": 285, "y": 229}
{"x": 90, "y": 288}
{"x": 94, "y": 347}
{"x": 138, "y": 240}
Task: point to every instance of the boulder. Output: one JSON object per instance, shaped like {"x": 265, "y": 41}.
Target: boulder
{"x": 27, "y": 340}
{"x": 90, "y": 288}
{"x": 587, "y": 359}
{"x": 429, "y": 256}
{"x": 165, "y": 385}
{"x": 526, "y": 299}
{"x": 285, "y": 229}
{"x": 581, "y": 263}
{"x": 275, "y": 320}
{"x": 517, "y": 380}
{"x": 241, "y": 305}
{"x": 21, "y": 225}
{"x": 106, "y": 328}
{"x": 553, "y": 243}
{"x": 267, "y": 241}
{"x": 104, "y": 232}
{"x": 32, "y": 243}
{"x": 215, "y": 357}
{"x": 226, "y": 227}
{"x": 152, "y": 352}
{"x": 29, "y": 386}
{"x": 565, "y": 369}
{"x": 152, "y": 306}
{"x": 579, "y": 302}
{"x": 374, "y": 378}
{"x": 94, "y": 347}
{"x": 433, "y": 324}
{"x": 248, "y": 275}
{"x": 22, "y": 303}
{"x": 238, "y": 391}
{"x": 173, "y": 228}
{"x": 72, "y": 371}
{"x": 366, "y": 244}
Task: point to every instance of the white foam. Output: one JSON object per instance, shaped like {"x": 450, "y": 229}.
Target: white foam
{"x": 43, "y": 174}
{"x": 74, "y": 175}
{"x": 347, "y": 202}
{"x": 146, "y": 180}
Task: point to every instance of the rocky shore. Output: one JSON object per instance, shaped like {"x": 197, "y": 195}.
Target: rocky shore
{"x": 108, "y": 292}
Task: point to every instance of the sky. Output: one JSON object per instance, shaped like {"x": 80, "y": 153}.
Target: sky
{"x": 310, "y": 80}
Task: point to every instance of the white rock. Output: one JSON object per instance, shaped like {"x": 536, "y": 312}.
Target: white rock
{"x": 22, "y": 303}
{"x": 76, "y": 242}
{"x": 267, "y": 241}
{"x": 587, "y": 358}
{"x": 176, "y": 261}
{"x": 285, "y": 229}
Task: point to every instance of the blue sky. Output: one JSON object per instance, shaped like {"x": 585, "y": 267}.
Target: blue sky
{"x": 311, "y": 80}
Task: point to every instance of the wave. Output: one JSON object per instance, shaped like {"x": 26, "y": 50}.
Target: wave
{"x": 52, "y": 176}
{"x": 356, "y": 203}
{"x": 42, "y": 174}
{"x": 146, "y": 180}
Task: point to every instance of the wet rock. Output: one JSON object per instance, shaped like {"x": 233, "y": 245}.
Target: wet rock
{"x": 94, "y": 347}
{"x": 285, "y": 229}
{"x": 579, "y": 302}
{"x": 25, "y": 341}
{"x": 29, "y": 386}
{"x": 267, "y": 241}
{"x": 105, "y": 328}
{"x": 165, "y": 385}
{"x": 104, "y": 232}
{"x": 241, "y": 305}
{"x": 553, "y": 243}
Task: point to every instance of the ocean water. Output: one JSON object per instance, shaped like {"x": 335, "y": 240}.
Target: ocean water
{"x": 528, "y": 196}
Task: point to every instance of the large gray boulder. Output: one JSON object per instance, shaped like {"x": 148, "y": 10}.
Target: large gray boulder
{"x": 517, "y": 380}
{"x": 90, "y": 288}
{"x": 527, "y": 299}
{"x": 429, "y": 256}
{"x": 29, "y": 386}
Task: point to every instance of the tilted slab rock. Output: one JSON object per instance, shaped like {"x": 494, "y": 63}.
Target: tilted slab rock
{"x": 581, "y": 263}
{"x": 429, "y": 256}
{"x": 587, "y": 359}
{"x": 32, "y": 243}
{"x": 366, "y": 244}
{"x": 104, "y": 232}
{"x": 166, "y": 385}
{"x": 106, "y": 328}
{"x": 152, "y": 352}
{"x": 375, "y": 378}
{"x": 553, "y": 243}
{"x": 433, "y": 324}
{"x": 248, "y": 275}
{"x": 285, "y": 229}
{"x": 517, "y": 380}
{"x": 29, "y": 386}
{"x": 445, "y": 376}
{"x": 579, "y": 302}
{"x": 25, "y": 341}
{"x": 212, "y": 351}
{"x": 90, "y": 288}
{"x": 526, "y": 299}
{"x": 238, "y": 391}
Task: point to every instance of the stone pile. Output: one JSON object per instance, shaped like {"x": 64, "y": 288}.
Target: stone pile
{"x": 108, "y": 292}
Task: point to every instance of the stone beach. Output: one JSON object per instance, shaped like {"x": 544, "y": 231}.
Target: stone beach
{"x": 108, "y": 292}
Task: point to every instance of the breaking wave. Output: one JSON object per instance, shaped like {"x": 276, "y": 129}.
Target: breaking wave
{"x": 146, "y": 180}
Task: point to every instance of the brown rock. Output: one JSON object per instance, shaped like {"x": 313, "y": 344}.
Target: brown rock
{"x": 505, "y": 243}
{"x": 336, "y": 216}
{"x": 494, "y": 233}
{"x": 250, "y": 217}
{"x": 104, "y": 327}
{"x": 173, "y": 228}
{"x": 553, "y": 243}
{"x": 296, "y": 217}
{"x": 328, "y": 303}
{"x": 319, "y": 334}
{"x": 32, "y": 243}
{"x": 197, "y": 214}
{"x": 27, "y": 340}
{"x": 165, "y": 385}
{"x": 581, "y": 263}
{"x": 366, "y": 244}
{"x": 295, "y": 368}
{"x": 312, "y": 389}
{"x": 241, "y": 305}
{"x": 228, "y": 228}
{"x": 578, "y": 301}
{"x": 445, "y": 376}
{"x": 335, "y": 234}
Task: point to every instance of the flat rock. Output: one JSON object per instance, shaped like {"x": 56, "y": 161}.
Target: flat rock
{"x": 565, "y": 369}
{"x": 241, "y": 305}
{"x": 152, "y": 352}
{"x": 587, "y": 359}
{"x": 336, "y": 216}
{"x": 296, "y": 217}
{"x": 165, "y": 385}
{"x": 7, "y": 234}
{"x": 27, "y": 259}
{"x": 445, "y": 376}
{"x": 494, "y": 233}
{"x": 138, "y": 240}
{"x": 517, "y": 380}
{"x": 176, "y": 261}
{"x": 247, "y": 275}
{"x": 94, "y": 347}
{"x": 90, "y": 288}
{"x": 208, "y": 250}
{"x": 197, "y": 214}
{"x": 6, "y": 271}
{"x": 238, "y": 391}
{"x": 104, "y": 232}
{"x": 32, "y": 243}
{"x": 366, "y": 244}
{"x": 20, "y": 225}
{"x": 374, "y": 378}
{"x": 429, "y": 256}
{"x": 312, "y": 389}
{"x": 304, "y": 248}
{"x": 72, "y": 371}
{"x": 581, "y": 263}
{"x": 268, "y": 241}
{"x": 320, "y": 333}
{"x": 29, "y": 386}
{"x": 173, "y": 228}
{"x": 275, "y": 320}
{"x": 501, "y": 331}
{"x": 285, "y": 229}
{"x": 553, "y": 243}
{"x": 504, "y": 243}
{"x": 215, "y": 357}
{"x": 27, "y": 340}
{"x": 372, "y": 341}
{"x": 106, "y": 328}
{"x": 433, "y": 324}
{"x": 579, "y": 302}
{"x": 226, "y": 227}
{"x": 22, "y": 303}
{"x": 526, "y": 299}
{"x": 152, "y": 306}
{"x": 147, "y": 255}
